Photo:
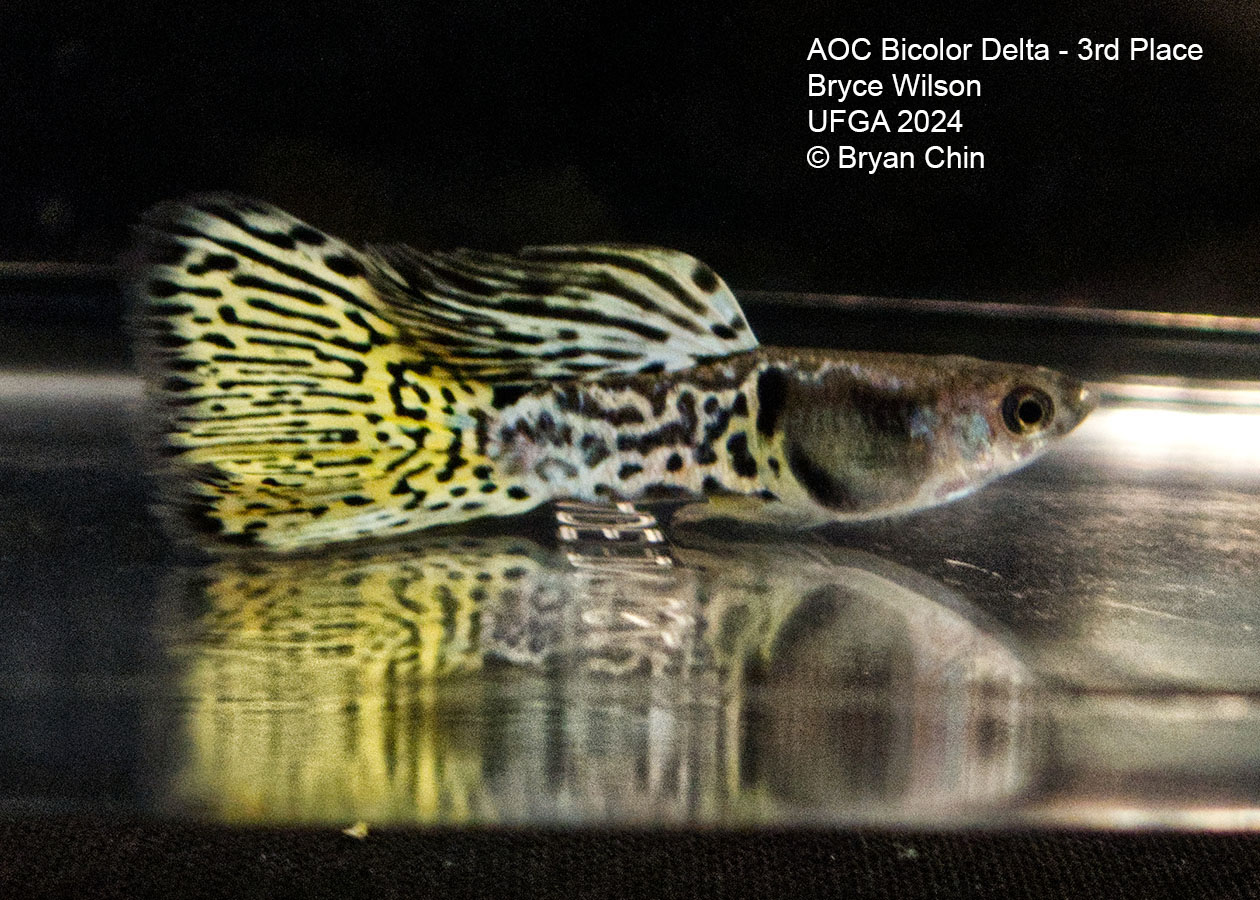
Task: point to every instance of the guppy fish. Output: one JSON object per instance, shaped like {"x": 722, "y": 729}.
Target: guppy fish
{"x": 311, "y": 392}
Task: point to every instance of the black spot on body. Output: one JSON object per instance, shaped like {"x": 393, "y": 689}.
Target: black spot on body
{"x": 714, "y": 430}
{"x": 772, "y": 387}
{"x": 705, "y": 456}
{"x": 661, "y": 491}
{"x": 625, "y": 415}
{"x": 482, "y": 432}
{"x": 594, "y": 448}
{"x": 554, "y": 470}
{"x": 741, "y": 460}
{"x": 459, "y": 491}
{"x": 417, "y": 498}
{"x": 674, "y": 463}
{"x": 821, "y": 486}
{"x": 680, "y": 431}
{"x": 518, "y": 493}
{"x": 505, "y": 395}
{"x": 723, "y": 331}
{"x": 740, "y": 406}
{"x": 629, "y": 470}
{"x": 356, "y": 500}
{"x": 572, "y": 399}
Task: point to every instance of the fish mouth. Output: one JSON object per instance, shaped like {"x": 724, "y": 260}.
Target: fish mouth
{"x": 1086, "y": 400}
{"x": 1082, "y": 402}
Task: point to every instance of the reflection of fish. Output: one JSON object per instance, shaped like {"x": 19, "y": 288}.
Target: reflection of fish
{"x": 340, "y": 686}
{"x": 438, "y": 607}
{"x": 316, "y": 393}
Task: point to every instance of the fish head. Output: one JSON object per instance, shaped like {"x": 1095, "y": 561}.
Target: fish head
{"x": 879, "y": 435}
{"x": 997, "y": 417}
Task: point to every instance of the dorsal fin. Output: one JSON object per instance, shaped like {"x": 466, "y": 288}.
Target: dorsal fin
{"x": 574, "y": 311}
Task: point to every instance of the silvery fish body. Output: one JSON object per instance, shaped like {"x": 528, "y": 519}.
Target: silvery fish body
{"x": 310, "y": 392}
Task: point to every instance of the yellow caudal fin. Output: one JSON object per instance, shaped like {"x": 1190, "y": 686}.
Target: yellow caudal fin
{"x": 293, "y": 410}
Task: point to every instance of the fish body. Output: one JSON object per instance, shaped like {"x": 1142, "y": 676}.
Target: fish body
{"x": 809, "y": 435}
{"x": 309, "y": 392}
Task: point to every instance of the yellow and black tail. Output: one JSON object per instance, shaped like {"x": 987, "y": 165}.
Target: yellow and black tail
{"x": 294, "y": 412}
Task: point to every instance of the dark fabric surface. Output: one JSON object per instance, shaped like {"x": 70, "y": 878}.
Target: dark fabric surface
{"x": 78, "y": 858}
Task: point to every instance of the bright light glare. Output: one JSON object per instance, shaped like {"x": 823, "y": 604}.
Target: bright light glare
{"x": 57, "y": 387}
{"x": 1155, "y": 437}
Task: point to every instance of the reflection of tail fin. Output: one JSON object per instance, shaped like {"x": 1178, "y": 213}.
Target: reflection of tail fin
{"x": 294, "y": 412}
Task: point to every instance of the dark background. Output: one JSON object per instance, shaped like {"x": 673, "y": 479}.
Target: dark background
{"x": 496, "y": 124}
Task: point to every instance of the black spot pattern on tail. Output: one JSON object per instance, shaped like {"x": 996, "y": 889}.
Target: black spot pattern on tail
{"x": 345, "y": 266}
{"x": 291, "y": 413}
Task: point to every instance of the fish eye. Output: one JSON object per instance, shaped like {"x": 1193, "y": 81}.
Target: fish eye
{"x": 1026, "y": 410}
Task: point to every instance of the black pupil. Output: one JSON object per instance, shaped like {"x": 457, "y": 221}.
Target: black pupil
{"x": 1030, "y": 412}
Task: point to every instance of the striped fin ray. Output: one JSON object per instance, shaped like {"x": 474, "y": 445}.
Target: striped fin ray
{"x": 292, "y": 412}
{"x": 578, "y": 311}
